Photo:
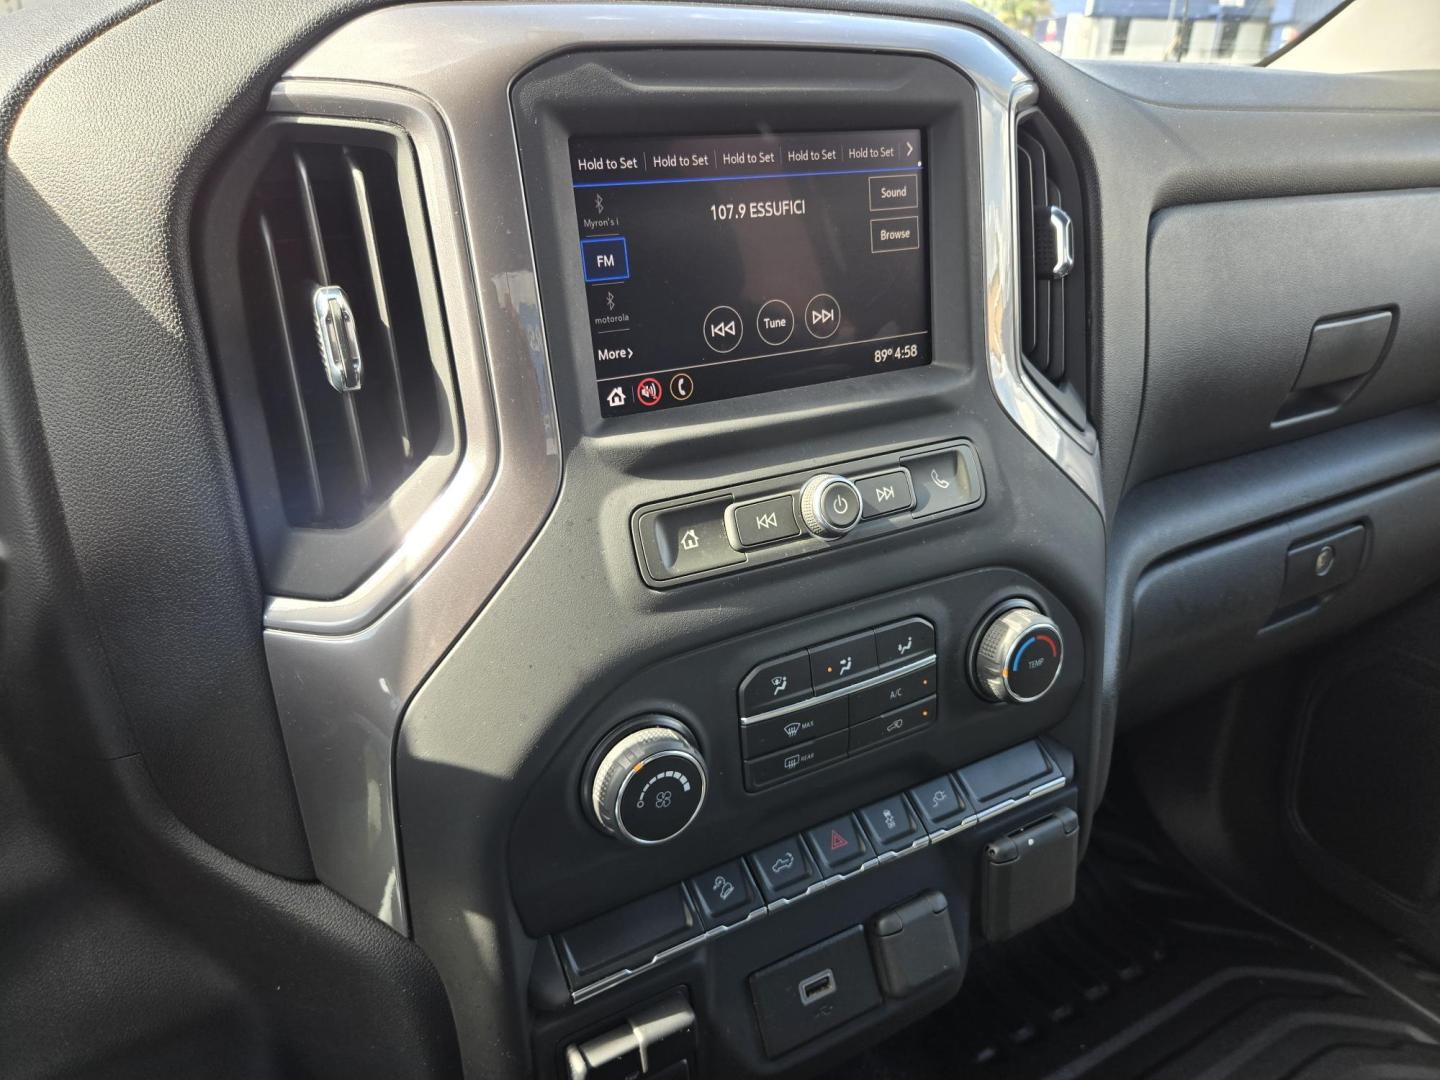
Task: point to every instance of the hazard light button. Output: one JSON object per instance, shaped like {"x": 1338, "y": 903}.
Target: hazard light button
{"x": 838, "y": 845}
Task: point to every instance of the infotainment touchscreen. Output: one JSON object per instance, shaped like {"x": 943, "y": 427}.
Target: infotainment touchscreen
{"x": 716, "y": 266}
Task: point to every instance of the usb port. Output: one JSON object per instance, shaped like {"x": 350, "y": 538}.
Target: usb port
{"x": 820, "y": 985}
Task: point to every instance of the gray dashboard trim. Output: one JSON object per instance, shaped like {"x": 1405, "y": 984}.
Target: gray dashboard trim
{"x": 341, "y": 684}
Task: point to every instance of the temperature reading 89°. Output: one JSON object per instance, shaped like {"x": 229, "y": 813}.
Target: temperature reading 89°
{"x": 897, "y": 352}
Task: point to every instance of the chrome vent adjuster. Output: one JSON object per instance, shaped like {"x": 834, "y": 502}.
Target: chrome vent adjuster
{"x": 324, "y": 315}
{"x": 335, "y": 334}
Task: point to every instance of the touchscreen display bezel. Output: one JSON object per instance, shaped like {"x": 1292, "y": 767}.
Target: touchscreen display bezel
{"x": 724, "y": 265}
{"x": 729, "y": 91}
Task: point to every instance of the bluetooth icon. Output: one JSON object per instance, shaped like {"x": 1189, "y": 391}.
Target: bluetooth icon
{"x": 599, "y": 204}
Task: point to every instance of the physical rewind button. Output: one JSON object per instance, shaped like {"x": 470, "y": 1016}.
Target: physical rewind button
{"x": 766, "y": 521}
{"x": 822, "y": 316}
{"x": 723, "y": 329}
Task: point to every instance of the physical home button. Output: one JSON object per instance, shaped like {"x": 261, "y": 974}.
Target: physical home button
{"x": 838, "y": 845}
{"x": 793, "y": 761}
{"x": 892, "y": 725}
{"x": 766, "y": 521}
{"x": 775, "y": 683}
{"x": 724, "y": 893}
{"x": 783, "y": 869}
{"x": 888, "y": 493}
{"x": 845, "y": 661}
{"x": 689, "y": 539}
{"x": 889, "y": 823}
{"x": 901, "y": 642}
{"x": 793, "y": 728}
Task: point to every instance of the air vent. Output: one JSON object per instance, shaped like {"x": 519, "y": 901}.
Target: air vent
{"x": 1053, "y": 298}
{"x": 325, "y": 320}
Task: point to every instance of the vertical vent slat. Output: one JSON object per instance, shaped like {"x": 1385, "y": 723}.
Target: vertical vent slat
{"x": 314, "y": 490}
{"x": 315, "y": 234}
{"x": 1053, "y": 300}
{"x": 365, "y": 215}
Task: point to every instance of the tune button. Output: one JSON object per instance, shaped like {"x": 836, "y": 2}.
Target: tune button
{"x": 775, "y": 322}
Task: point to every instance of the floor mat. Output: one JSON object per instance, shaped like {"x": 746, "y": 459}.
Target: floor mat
{"x": 1153, "y": 974}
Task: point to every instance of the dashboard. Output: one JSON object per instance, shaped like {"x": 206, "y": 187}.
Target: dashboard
{"x": 691, "y": 600}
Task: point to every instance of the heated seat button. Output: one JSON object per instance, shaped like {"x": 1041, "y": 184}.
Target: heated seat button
{"x": 784, "y": 869}
{"x": 890, "y": 824}
{"x": 888, "y": 493}
{"x": 795, "y": 760}
{"x": 907, "y": 640}
{"x": 725, "y": 893}
{"x": 766, "y": 521}
{"x": 792, "y": 728}
{"x": 685, "y": 540}
{"x": 891, "y": 694}
{"x": 843, "y": 661}
{"x": 838, "y": 845}
{"x": 892, "y": 725}
{"x": 775, "y": 683}
{"x": 939, "y": 802}
{"x": 945, "y": 480}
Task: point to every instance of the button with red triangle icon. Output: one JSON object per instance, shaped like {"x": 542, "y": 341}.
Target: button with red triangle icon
{"x": 838, "y": 846}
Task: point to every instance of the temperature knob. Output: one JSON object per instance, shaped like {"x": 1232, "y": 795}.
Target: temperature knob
{"x": 1018, "y": 656}
{"x": 650, "y": 783}
{"x": 830, "y": 505}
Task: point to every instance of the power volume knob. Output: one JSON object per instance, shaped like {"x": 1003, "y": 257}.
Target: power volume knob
{"x": 830, "y": 506}
{"x": 649, "y": 785}
{"x": 1018, "y": 657}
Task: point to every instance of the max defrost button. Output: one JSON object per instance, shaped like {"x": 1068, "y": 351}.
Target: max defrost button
{"x": 687, "y": 539}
